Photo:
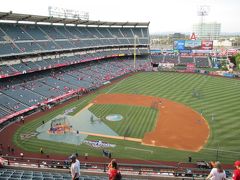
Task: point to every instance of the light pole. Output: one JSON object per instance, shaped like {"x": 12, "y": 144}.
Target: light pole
{"x": 134, "y": 53}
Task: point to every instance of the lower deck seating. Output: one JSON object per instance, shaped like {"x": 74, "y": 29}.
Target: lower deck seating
{"x": 11, "y": 174}
{"x": 202, "y": 62}
{"x": 22, "y": 92}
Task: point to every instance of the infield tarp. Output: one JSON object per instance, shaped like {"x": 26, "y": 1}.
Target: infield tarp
{"x": 80, "y": 122}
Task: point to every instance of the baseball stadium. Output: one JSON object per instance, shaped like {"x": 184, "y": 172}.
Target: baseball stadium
{"x": 98, "y": 89}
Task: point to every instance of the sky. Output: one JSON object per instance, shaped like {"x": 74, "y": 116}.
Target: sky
{"x": 164, "y": 15}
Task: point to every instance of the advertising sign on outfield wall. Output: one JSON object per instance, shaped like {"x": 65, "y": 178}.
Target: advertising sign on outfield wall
{"x": 207, "y": 45}
{"x": 179, "y": 45}
{"x": 189, "y": 45}
{"x": 193, "y": 44}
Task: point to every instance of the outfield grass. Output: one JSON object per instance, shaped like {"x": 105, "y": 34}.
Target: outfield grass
{"x": 217, "y": 99}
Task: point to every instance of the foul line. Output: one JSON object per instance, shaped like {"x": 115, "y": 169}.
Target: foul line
{"x": 212, "y": 149}
{"x": 86, "y": 107}
{"x": 114, "y": 86}
{"x": 139, "y": 149}
{"x": 112, "y": 137}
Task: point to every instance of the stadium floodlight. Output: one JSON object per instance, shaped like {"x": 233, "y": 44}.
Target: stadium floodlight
{"x": 67, "y": 13}
{"x": 203, "y": 11}
{"x": 134, "y": 54}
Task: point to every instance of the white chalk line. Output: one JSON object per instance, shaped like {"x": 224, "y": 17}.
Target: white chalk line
{"x": 139, "y": 149}
{"x": 114, "y": 86}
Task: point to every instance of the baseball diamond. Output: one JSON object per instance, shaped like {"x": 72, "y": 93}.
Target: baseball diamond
{"x": 159, "y": 88}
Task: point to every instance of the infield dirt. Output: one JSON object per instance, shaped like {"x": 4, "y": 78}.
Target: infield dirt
{"x": 177, "y": 125}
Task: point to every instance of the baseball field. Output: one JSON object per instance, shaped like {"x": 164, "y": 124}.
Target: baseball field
{"x": 166, "y": 116}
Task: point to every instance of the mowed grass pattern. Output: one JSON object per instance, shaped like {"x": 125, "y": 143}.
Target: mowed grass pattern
{"x": 137, "y": 120}
{"x": 218, "y": 101}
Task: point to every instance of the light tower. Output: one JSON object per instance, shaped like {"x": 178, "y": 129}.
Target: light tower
{"x": 203, "y": 11}
{"x": 135, "y": 49}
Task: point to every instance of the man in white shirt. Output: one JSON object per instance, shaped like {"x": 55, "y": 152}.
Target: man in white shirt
{"x": 75, "y": 168}
{"x": 77, "y": 161}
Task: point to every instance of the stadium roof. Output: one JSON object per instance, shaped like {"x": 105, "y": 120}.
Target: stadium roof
{"x": 10, "y": 16}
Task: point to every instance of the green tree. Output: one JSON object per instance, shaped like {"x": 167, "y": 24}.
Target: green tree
{"x": 237, "y": 60}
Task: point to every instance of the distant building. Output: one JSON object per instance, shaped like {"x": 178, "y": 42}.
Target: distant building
{"x": 207, "y": 31}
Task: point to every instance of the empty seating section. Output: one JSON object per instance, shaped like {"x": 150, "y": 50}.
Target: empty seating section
{"x": 24, "y": 95}
{"x": 29, "y": 47}
{"x": 42, "y": 63}
{"x": 127, "y": 32}
{"x": 116, "y": 32}
{"x": 20, "y": 67}
{"x": 74, "y": 80}
{"x": 51, "y": 32}
{"x": 15, "y": 32}
{"x": 19, "y": 174}
{"x": 44, "y": 90}
{"x": 145, "y": 32}
{"x": 57, "y": 83}
{"x": 10, "y": 105}
{"x": 65, "y": 32}
{"x": 123, "y": 41}
{"x": 171, "y": 59}
{"x": 138, "y": 32}
{"x": 8, "y": 48}
{"x": 77, "y": 34}
{"x": 65, "y": 44}
{"x": 41, "y": 38}
{"x": 33, "y": 66}
{"x": 143, "y": 41}
{"x": 20, "y": 92}
{"x": 11, "y": 174}
{"x": 84, "y": 33}
{"x": 95, "y": 33}
{"x": 105, "y": 33}
{"x": 5, "y": 69}
{"x": 186, "y": 60}
{"x": 178, "y": 60}
{"x": 34, "y": 32}
{"x": 202, "y": 62}
{"x": 2, "y": 35}
{"x": 157, "y": 58}
{"x": 48, "y": 45}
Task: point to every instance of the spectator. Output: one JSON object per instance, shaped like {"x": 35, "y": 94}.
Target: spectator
{"x": 236, "y": 172}
{"x": 113, "y": 172}
{"x": 217, "y": 173}
{"x": 21, "y": 154}
{"x": 75, "y": 169}
{"x": 190, "y": 159}
{"x": 12, "y": 150}
{"x": 86, "y": 156}
{"x": 41, "y": 150}
{"x": 77, "y": 161}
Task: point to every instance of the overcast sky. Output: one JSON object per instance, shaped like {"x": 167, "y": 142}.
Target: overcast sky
{"x": 164, "y": 15}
